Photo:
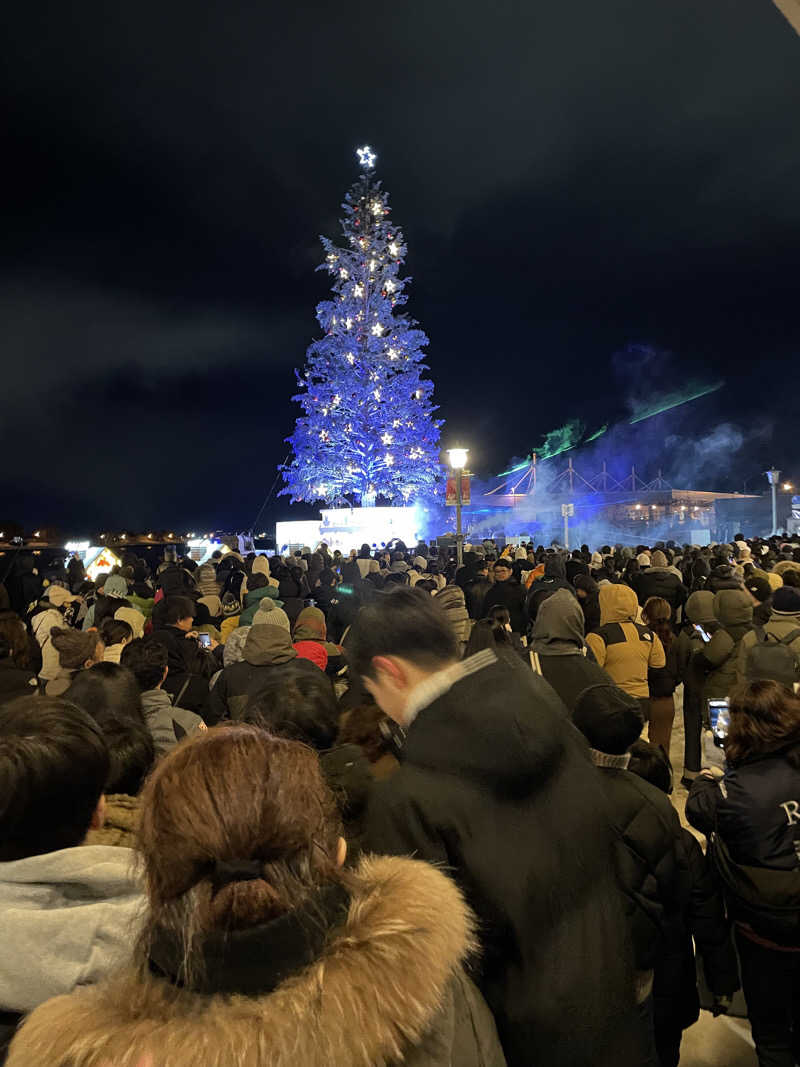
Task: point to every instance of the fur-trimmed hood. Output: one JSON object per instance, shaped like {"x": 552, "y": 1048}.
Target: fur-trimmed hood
{"x": 376, "y": 991}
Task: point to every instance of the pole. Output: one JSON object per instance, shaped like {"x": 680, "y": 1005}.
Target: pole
{"x": 774, "y": 508}
{"x": 459, "y": 536}
{"x": 566, "y": 531}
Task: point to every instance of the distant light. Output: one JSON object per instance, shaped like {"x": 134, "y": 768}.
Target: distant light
{"x": 366, "y": 157}
{"x": 35, "y": 533}
{"x": 638, "y": 507}
{"x": 787, "y": 486}
{"x": 74, "y": 546}
{"x": 457, "y": 457}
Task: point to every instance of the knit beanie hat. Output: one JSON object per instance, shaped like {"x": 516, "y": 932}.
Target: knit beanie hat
{"x": 134, "y": 618}
{"x": 643, "y": 559}
{"x": 420, "y": 563}
{"x": 58, "y": 596}
{"x": 786, "y": 600}
{"x": 608, "y": 718}
{"x": 271, "y": 616}
{"x": 658, "y": 559}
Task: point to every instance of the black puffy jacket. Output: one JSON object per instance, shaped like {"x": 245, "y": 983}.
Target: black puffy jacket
{"x": 659, "y": 581}
{"x": 496, "y": 785}
{"x": 649, "y": 859}
{"x": 722, "y": 578}
{"x": 752, "y": 820}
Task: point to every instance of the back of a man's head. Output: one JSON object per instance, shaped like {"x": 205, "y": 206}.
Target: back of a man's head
{"x": 146, "y": 659}
{"x": 405, "y": 622}
{"x": 177, "y": 608}
{"x": 53, "y": 768}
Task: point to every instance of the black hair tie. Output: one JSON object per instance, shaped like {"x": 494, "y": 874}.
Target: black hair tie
{"x": 226, "y": 872}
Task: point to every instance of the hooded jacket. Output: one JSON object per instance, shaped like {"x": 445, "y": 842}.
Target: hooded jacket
{"x": 266, "y": 650}
{"x": 733, "y": 610}
{"x": 722, "y": 577}
{"x": 630, "y": 652}
{"x": 166, "y": 723}
{"x": 311, "y": 627}
{"x": 373, "y": 977}
{"x": 42, "y": 622}
{"x": 590, "y": 603}
{"x": 487, "y": 788}
{"x": 252, "y": 602}
{"x": 67, "y": 919}
{"x": 555, "y": 577}
{"x": 187, "y": 663}
{"x": 558, "y": 650}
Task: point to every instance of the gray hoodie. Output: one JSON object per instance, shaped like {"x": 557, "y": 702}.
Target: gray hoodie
{"x": 166, "y": 723}
{"x": 67, "y": 919}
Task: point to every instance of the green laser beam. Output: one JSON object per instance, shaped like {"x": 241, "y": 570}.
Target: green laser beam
{"x": 596, "y": 434}
{"x": 674, "y": 400}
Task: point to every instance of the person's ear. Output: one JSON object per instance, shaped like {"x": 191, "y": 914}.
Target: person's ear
{"x": 390, "y": 669}
{"x": 164, "y": 675}
{"x": 99, "y": 814}
{"x": 341, "y": 852}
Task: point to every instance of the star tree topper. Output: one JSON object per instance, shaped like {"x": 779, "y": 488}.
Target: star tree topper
{"x": 366, "y": 157}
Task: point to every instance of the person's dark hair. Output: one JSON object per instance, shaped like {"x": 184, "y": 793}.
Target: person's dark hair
{"x": 110, "y": 694}
{"x": 74, "y": 647}
{"x": 53, "y": 766}
{"x": 12, "y": 632}
{"x": 115, "y": 631}
{"x": 191, "y": 820}
{"x": 427, "y": 585}
{"x": 299, "y": 705}
{"x": 396, "y": 578}
{"x": 403, "y": 622}
{"x": 177, "y": 608}
{"x": 657, "y": 613}
{"x": 500, "y": 615}
{"x": 487, "y": 633}
{"x": 651, "y": 762}
{"x": 791, "y": 578}
{"x": 146, "y": 659}
{"x": 257, "y": 581}
{"x": 765, "y": 716}
{"x": 107, "y": 691}
{"x": 106, "y": 606}
{"x": 364, "y": 552}
{"x": 632, "y": 568}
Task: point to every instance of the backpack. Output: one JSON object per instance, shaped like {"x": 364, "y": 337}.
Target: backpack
{"x": 773, "y": 658}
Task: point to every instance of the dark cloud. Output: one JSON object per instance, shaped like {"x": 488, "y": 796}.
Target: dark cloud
{"x": 570, "y": 178}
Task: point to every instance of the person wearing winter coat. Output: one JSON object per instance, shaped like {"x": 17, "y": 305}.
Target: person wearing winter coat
{"x": 77, "y": 651}
{"x": 733, "y": 610}
{"x": 507, "y": 593}
{"x": 267, "y": 650}
{"x": 628, "y": 651}
{"x": 475, "y": 587}
{"x": 752, "y": 820}
{"x": 259, "y": 947}
{"x": 699, "y": 612}
{"x": 658, "y": 580}
{"x": 18, "y": 658}
{"x": 258, "y": 588}
{"x": 190, "y": 666}
{"x": 783, "y": 625}
{"x": 487, "y": 789}
{"x": 648, "y": 855}
{"x": 206, "y": 580}
{"x": 701, "y": 921}
{"x": 311, "y": 629}
{"x": 147, "y": 660}
{"x": 555, "y": 577}
{"x": 588, "y": 593}
{"x": 722, "y": 577}
{"x": 558, "y": 651}
{"x": 451, "y": 599}
{"x": 575, "y": 565}
{"x": 68, "y": 910}
{"x": 50, "y": 612}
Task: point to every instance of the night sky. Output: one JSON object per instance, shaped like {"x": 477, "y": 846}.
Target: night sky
{"x": 571, "y": 179}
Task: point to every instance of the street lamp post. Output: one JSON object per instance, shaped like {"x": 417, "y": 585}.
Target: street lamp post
{"x": 458, "y": 461}
{"x": 774, "y": 477}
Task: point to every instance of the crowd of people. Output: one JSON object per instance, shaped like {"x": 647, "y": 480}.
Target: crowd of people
{"x": 385, "y": 808}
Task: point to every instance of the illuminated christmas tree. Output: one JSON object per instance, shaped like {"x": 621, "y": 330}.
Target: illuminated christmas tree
{"x": 368, "y": 430}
